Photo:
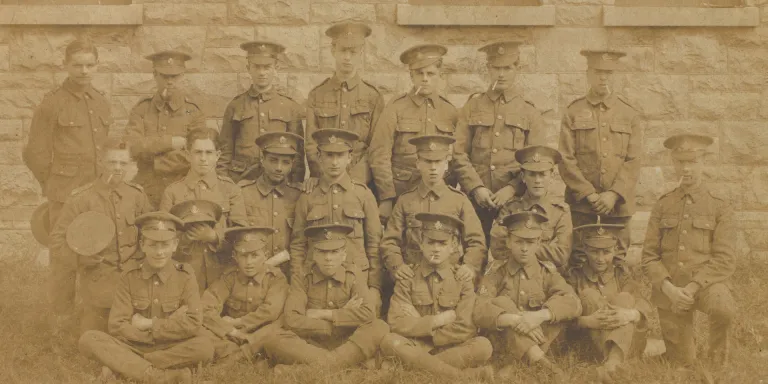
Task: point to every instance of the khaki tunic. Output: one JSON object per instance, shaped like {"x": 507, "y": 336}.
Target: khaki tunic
{"x": 248, "y": 116}
{"x": 392, "y": 158}
{"x": 272, "y": 206}
{"x": 492, "y": 126}
{"x": 353, "y": 105}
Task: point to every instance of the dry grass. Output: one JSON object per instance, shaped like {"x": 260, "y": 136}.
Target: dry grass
{"x": 29, "y": 354}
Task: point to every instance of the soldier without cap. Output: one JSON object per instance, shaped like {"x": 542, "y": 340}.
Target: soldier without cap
{"x": 156, "y": 316}
{"x": 492, "y": 126}
{"x": 259, "y": 110}
{"x": 270, "y": 200}
{"x": 689, "y": 256}
{"x": 242, "y": 308}
{"x": 615, "y": 312}
{"x": 158, "y": 126}
{"x": 98, "y": 247}
{"x": 421, "y": 111}
{"x": 345, "y": 100}
{"x": 65, "y": 135}
{"x": 537, "y": 165}
{"x": 601, "y": 143}
{"x": 431, "y": 311}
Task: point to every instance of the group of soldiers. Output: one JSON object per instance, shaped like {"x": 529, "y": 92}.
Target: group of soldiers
{"x": 224, "y": 248}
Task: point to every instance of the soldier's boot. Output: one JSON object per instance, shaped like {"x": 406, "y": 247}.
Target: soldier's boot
{"x": 480, "y": 373}
{"x": 168, "y": 376}
{"x": 107, "y": 376}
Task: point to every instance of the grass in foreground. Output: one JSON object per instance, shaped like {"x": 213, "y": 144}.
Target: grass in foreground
{"x": 30, "y": 354}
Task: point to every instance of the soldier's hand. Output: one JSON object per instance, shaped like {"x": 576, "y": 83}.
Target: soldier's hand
{"x": 202, "y": 232}
{"x": 238, "y": 336}
{"x": 483, "y": 198}
{"x": 592, "y": 198}
{"x": 680, "y": 301}
{"x": 444, "y": 318}
{"x": 403, "y": 272}
{"x": 140, "y": 322}
{"x": 691, "y": 289}
{"x": 310, "y": 184}
{"x": 528, "y": 322}
{"x": 178, "y": 142}
{"x": 624, "y": 316}
{"x": 537, "y": 334}
{"x": 235, "y": 322}
{"x": 465, "y": 273}
{"x": 385, "y": 210}
{"x": 354, "y": 303}
{"x": 503, "y": 196}
{"x": 605, "y": 203}
{"x": 590, "y": 322}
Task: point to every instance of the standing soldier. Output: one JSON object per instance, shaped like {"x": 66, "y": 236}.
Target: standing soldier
{"x": 492, "y": 126}
{"x": 158, "y": 126}
{"x": 65, "y": 136}
{"x": 401, "y": 243}
{"x": 96, "y": 236}
{"x": 345, "y": 101}
{"x": 339, "y": 199}
{"x": 255, "y": 112}
{"x": 421, "y": 111}
{"x": 537, "y": 165}
{"x": 156, "y": 316}
{"x": 689, "y": 256}
{"x": 601, "y": 140}
{"x": 270, "y": 200}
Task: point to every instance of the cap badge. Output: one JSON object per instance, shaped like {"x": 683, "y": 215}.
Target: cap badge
{"x": 607, "y": 57}
{"x": 600, "y": 231}
{"x": 332, "y": 139}
{"x": 262, "y": 47}
{"x": 501, "y": 50}
{"x": 161, "y": 226}
{"x": 282, "y": 139}
{"x": 194, "y": 209}
{"x": 438, "y": 225}
{"x": 432, "y": 146}
{"x": 529, "y": 223}
{"x": 536, "y": 157}
{"x": 170, "y": 60}
{"x": 249, "y": 237}
{"x": 327, "y": 235}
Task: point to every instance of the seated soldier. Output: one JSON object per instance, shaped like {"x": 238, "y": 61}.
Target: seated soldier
{"x": 329, "y": 315}
{"x": 243, "y": 306}
{"x": 431, "y": 312}
{"x": 156, "y": 315}
{"x": 523, "y": 301}
{"x": 614, "y": 311}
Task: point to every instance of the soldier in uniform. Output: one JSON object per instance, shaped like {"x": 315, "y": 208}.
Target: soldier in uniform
{"x": 492, "y": 126}
{"x": 95, "y": 235}
{"x": 67, "y": 130}
{"x": 401, "y": 243}
{"x": 524, "y": 301}
{"x": 259, "y": 110}
{"x": 614, "y": 310}
{"x": 270, "y": 200}
{"x": 345, "y": 101}
{"x": 689, "y": 256}
{"x": 242, "y": 308}
{"x": 339, "y": 199}
{"x": 601, "y": 143}
{"x": 419, "y": 112}
{"x": 330, "y": 318}
{"x": 431, "y": 311}
{"x": 537, "y": 165}
{"x": 202, "y": 183}
{"x": 156, "y": 315}
{"x": 158, "y": 126}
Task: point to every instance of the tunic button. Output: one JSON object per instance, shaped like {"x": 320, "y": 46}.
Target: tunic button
{"x": 330, "y": 284}
{"x": 262, "y": 130}
{"x": 335, "y": 191}
{"x": 250, "y": 283}
{"x": 680, "y": 264}
{"x": 71, "y": 123}
{"x": 689, "y": 202}
{"x": 274, "y": 213}
{"x": 604, "y": 139}
{"x": 95, "y": 129}
{"x": 276, "y": 196}
{"x": 496, "y": 134}
{"x": 157, "y": 283}
{"x": 494, "y": 150}
{"x": 155, "y": 301}
{"x": 330, "y": 303}
{"x": 499, "y": 117}
{"x": 118, "y": 216}
{"x": 685, "y": 216}
{"x": 522, "y": 292}
{"x": 90, "y": 112}
{"x": 602, "y": 170}
{"x": 98, "y": 146}
{"x": 335, "y": 206}
{"x": 120, "y": 232}
{"x": 261, "y": 114}
{"x": 429, "y": 119}
{"x": 431, "y": 199}
{"x": 682, "y": 247}
{"x": 250, "y": 299}
{"x": 277, "y": 230}
{"x": 706, "y": 225}
{"x": 493, "y": 167}
{"x": 603, "y": 124}
{"x": 534, "y": 211}
{"x": 685, "y": 231}
{"x": 523, "y": 277}
{"x": 343, "y": 123}
{"x": 605, "y": 154}
{"x": 343, "y": 105}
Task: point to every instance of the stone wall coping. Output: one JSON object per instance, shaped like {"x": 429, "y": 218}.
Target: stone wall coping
{"x": 680, "y": 17}
{"x": 471, "y": 15}
{"x": 129, "y": 14}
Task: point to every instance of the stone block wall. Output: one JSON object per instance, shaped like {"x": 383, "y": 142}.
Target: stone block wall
{"x": 711, "y": 80}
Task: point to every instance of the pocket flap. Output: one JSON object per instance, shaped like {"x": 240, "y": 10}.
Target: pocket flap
{"x": 481, "y": 119}
{"x": 279, "y": 114}
{"x": 448, "y": 299}
{"x": 621, "y": 128}
{"x": 445, "y": 126}
{"x": 327, "y": 112}
{"x": 69, "y": 119}
{"x": 584, "y": 124}
{"x": 516, "y": 121}
{"x": 411, "y": 221}
{"x": 317, "y": 212}
{"x": 360, "y": 109}
{"x": 107, "y": 120}
{"x": 141, "y": 303}
{"x": 243, "y": 114}
{"x": 421, "y": 298}
{"x": 401, "y": 174}
{"x": 704, "y": 222}
{"x": 170, "y": 306}
{"x": 355, "y": 213}
{"x": 668, "y": 223}
{"x": 409, "y": 126}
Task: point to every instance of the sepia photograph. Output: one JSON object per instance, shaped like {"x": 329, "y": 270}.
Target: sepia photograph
{"x": 384, "y": 191}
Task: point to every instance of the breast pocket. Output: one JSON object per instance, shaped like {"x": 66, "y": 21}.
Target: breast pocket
{"x": 248, "y": 123}
{"x": 620, "y": 133}
{"x": 141, "y": 305}
{"x": 327, "y": 117}
{"x": 361, "y": 118}
{"x": 445, "y": 128}
{"x": 129, "y": 233}
{"x": 481, "y": 124}
{"x": 704, "y": 227}
{"x": 170, "y": 306}
{"x": 421, "y": 298}
{"x": 585, "y": 134}
{"x": 317, "y": 215}
{"x": 355, "y": 216}
{"x": 278, "y": 120}
{"x": 517, "y": 127}
{"x": 406, "y": 129}
{"x": 669, "y": 235}
{"x": 448, "y": 299}
{"x": 70, "y": 119}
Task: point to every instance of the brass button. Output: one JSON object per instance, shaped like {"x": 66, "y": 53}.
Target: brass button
{"x": 534, "y": 211}
{"x": 71, "y": 123}
{"x": 262, "y": 130}
{"x": 604, "y": 139}
{"x": 680, "y": 264}
{"x": 95, "y": 129}
{"x": 602, "y": 170}
{"x": 276, "y": 196}
{"x": 277, "y": 230}
{"x": 605, "y": 154}
{"x": 682, "y": 248}
{"x": 343, "y": 105}
{"x": 250, "y": 299}
{"x": 155, "y": 301}
{"x": 90, "y": 112}
{"x": 343, "y": 123}
{"x": 603, "y": 124}
{"x": 250, "y": 283}
{"x": 157, "y": 283}
{"x": 275, "y": 213}
{"x": 493, "y": 167}
{"x": 685, "y": 231}
{"x": 496, "y": 134}
{"x": 335, "y": 206}
{"x": 685, "y": 216}
{"x": 261, "y": 114}
{"x": 522, "y": 292}
{"x": 428, "y": 119}
{"x": 689, "y": 202}
{"x": 499, "y": 117}
{"x": 494, "y": 150}
{"x": 330, "y": 303}
{"x": 335, "y": 191}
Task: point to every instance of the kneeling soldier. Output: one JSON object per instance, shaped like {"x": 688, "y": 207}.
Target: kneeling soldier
{"x": 615, "y": 311}
{"x": 431, "y": 312}
{"x": 156, "y": 315}
{"x": 330, "y": 318}
{"x": 525, "y": 299}
{"x": 241, "y": 308}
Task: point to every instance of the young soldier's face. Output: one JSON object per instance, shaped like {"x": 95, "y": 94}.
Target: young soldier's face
{"x": 600, "y": 81}
{"x": 688, "y": 171}
{"x": 432, "y": 171}
{"x": 600, "y": 259}
{"x": 276, "y": 166}
{"x": 262, "y": 75}
{"x": 328, "y": 261}
{"x": 203, "y": 156}
{"x": 250, "y": 263}
{"x": 168, "y": 83}
{"x": 436, "y": 251}
{"x": 114, "y": 165}
{"x": 334, "y": 164}
{"x": 348, "y": 59}
{"x": 80, "y": 67}
{"x": 537, "y": 183}
{"x": 426, "y": 79}
{"x": 158, "y": 252}
{"x": 521, "y": 249}
{"x": 502, "y": 76}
